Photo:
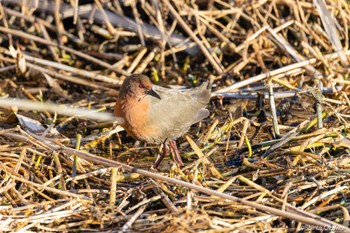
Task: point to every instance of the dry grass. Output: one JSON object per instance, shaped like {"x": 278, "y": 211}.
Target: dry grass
{"x": 273, "y": 156}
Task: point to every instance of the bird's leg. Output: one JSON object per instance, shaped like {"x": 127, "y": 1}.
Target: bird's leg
{"x": 177, "y": 156}
{"x": 136, "y": 144}
{"x": 160, "y": 156}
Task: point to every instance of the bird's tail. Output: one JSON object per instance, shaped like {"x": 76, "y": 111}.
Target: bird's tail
{"x": 202, "y": 93}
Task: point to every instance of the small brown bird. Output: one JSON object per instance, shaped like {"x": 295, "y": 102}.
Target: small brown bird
{"x": 156, "y": 115}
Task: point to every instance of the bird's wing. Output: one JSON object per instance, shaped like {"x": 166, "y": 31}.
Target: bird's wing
{"x": 177, "y": 110}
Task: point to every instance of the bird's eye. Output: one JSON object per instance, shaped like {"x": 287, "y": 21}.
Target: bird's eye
{"x": 141, "y": 85}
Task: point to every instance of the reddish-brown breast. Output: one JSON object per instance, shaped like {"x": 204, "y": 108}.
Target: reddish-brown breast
{"x": 136, "y": 115}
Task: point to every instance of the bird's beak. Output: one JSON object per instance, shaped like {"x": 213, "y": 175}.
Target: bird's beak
{"x": 153, "y": 93}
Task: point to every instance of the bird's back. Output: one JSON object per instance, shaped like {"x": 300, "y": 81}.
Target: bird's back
{"x": 177, "y": 110}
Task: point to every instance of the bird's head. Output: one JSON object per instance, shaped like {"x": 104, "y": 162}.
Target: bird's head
{"x": 139, "y": 86}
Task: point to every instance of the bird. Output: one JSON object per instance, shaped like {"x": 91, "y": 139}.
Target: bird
{"x": 159, "y": 115}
